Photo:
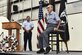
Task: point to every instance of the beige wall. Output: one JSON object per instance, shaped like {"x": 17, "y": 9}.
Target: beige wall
{"x": 75, "y": 29}
{"x": 3, "y": 19}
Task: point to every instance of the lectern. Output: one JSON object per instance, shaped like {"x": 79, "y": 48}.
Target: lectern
{"x": 10, "y": 26}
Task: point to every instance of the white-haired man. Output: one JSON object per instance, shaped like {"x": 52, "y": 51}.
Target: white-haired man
{"x": 53, "y": 22}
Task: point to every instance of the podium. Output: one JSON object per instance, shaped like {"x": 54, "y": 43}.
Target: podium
{"x": 10, "y": 26}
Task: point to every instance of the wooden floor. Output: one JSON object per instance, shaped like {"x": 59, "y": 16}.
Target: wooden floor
{"x": 34, "y": 53}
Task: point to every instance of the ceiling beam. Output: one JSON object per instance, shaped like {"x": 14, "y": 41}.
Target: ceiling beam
{"x": 33, "y": 8}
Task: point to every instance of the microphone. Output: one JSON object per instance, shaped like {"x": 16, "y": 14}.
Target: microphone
{"x": 45, "y": 15}
{"x": 46, "y": 18}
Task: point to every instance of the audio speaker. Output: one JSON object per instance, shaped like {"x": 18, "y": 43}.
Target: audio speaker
{"x": 15, "y": 8}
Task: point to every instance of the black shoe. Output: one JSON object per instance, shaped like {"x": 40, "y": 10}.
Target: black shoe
{"x": 30, "y": 50}
{"x": 40, "y": 51}
{"x": 47, "y": 50}
{"x": 24, "y": 50}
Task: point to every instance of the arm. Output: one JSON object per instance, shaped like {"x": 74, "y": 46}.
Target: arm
{"x": 31, "y": 29}
{"x": 46, "y": 20}
{"x": 59, "y": 22}
{"x": 23, "y": 25}
{"x": 25, "y": 30}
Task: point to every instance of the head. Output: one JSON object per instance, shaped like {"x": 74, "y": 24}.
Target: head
{"x": 50, "y": 8}
{"x": 28, "y": 18}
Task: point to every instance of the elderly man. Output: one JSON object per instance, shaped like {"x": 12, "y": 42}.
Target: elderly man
{"x": 53, "y": 22}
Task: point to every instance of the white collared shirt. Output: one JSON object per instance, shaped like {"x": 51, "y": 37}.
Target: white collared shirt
{"x": 27, "y": 25}
{"x": 52, "y": 18}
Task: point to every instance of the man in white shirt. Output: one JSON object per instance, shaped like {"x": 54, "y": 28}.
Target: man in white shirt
{"x": 28, "y": 27}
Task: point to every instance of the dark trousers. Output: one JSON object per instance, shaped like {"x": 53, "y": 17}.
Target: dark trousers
{"x": 27, "y": 36}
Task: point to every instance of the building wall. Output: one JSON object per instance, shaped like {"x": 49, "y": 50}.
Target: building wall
{"x": 74, "y": 11}
{"x": 3, "y": 8}
{"x": 3, "y": 19}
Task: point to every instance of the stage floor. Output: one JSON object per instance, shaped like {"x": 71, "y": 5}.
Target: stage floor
{"x": 34, "y": 53}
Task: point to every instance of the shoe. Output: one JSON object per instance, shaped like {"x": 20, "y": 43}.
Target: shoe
{"x": 24, "y": 50}
{"x": 40, "y": 51}
{"x": 47, "y": 50}
{"x": 30, "y": 50}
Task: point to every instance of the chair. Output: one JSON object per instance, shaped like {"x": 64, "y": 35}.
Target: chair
{"x": 61, "y": 32}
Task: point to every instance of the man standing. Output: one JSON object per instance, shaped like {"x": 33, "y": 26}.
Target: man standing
{"x": 28, "y": 27}
{"x": 53, "y": 22}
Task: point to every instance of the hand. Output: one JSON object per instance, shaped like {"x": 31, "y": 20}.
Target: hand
{"x": 27, "y": 31}
{"x": 55, "y": 29}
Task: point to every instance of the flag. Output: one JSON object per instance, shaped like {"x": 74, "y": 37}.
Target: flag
{"x": 40, "y": 27}
{"x": 62, "y": 15}
{"x": 40, "y": 20}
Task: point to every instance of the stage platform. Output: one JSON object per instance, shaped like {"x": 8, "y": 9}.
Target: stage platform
{"x": 34, "y": 53}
